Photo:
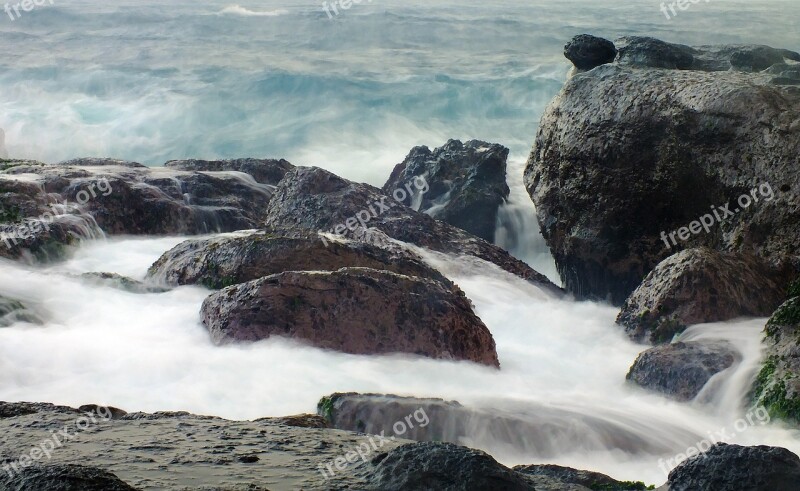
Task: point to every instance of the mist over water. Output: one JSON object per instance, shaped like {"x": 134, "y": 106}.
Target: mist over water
{"x": 215, "y": 79}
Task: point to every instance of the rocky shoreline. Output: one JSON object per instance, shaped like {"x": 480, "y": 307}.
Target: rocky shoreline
{"x": 645, "y": 141}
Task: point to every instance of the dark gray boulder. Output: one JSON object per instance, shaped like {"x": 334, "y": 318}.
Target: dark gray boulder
{"x": 462, "y": 184}
{"x": 353, "y": 310}
{"x": 651, "y": 52}
{"x": 439, "y": 466}
{"x": 735, "y": 468}
{"x": 700, "y": 285}
{"x": 548, "y": 477}
{"x": 628, "y": 154}
{"x": 681, "y": 370}
{"x": 63, "y": 477}
{"x": 586, "y": 51}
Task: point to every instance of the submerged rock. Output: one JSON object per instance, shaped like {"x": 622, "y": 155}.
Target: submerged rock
{"x": 464, "y": 184}
{"x": 586, "y": 51}
{"x": 312, "y": 200}
{"x": 777, "y": 385}
{"x": 732, "y": 467}
{"x": 628, "y": 154}
{"x": 224, "y": 261}
{"x": 353, "y": 310}
{"x": 63, "y": 477}
{"x": 681, "y": 370}
{"x": 13, "y": 311}
{"x": 696, "y": 286}
{"x": 120, "y": 282}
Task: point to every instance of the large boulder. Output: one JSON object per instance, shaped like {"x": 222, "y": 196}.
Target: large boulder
{"x": 228, "y": 260}
{"x": 439, "y": 466}
{"x": 736, "y": 468}
{"x": 465, "y": 184}
{"x": 63, "y": 477}
{"x": 681, "y": 370}
{"x": 777, "y": 386}
{"x": 627, "y": 157}
{"x": 700, "y": 285}
{"x": 312, "y": 199}
{"x": 586, "y": 51}
{"x": 353, "y": 310}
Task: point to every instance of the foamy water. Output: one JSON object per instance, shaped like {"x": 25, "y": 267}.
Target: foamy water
{"x": 561, "y": 363}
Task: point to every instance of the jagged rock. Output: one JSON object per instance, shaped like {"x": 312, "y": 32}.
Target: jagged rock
{"x": 625, "y": 153}
{"x": 736, "y": 468}
{"x": 100, "y": 162}
{"x": 777, "y": 386}
{"x": 353, "y": 310}
{"x": 114, "y": 280}
{"x": 681, "y": 370}
{"x": 13, "y": 311}
{"x": 63, "y": 477}
{"x": 440, "y": 466}
{"x": 586, "y": 51}
{"x": 696, "y": 286}
{"x": 312, "y": 199}
{"x": 464, "y": 184}
{"x": 264, "y": 171}
{"x": 224, "y": 261}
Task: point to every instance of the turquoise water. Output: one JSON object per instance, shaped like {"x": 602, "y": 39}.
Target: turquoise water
{"x": 150, "y": 82}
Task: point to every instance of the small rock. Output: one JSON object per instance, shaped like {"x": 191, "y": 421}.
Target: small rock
{"x": 586, "y": 51}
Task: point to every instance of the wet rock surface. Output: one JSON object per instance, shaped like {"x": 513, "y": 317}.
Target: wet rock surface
{"x": 628, "y": 151}
{"x": 700, "y": 285}
{"x": 586, "y": 51}
{"x": 777, "y": 386}
{"x": 63, "y": 477}
{"x": 735, "y": 468}
{"x": 264, "y": 171}
{"x": 681, "y": 370}
{"x": 353, "y": 310}
{"x": 464, "y": 184}
{"x": 120, "y": 282}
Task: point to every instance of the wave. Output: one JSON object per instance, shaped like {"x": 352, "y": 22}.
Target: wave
{"x": 244, "y": 12}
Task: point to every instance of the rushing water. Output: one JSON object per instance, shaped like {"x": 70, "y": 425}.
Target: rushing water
{"x": 148, "y": 82}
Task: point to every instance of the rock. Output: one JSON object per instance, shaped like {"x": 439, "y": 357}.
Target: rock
{"x": 700, "y": 285}
{"x": 626, "y": 155}
{"x": 100, "y": 162}
{"x": 63, "y": 477}
{"x": 526, "y": 428}
{"x": 224, "y": 261}
{"x": 777, "y": 386}
{"x": 558, "y": 478}
{"x": 681, "y": 370}
{"x": 13, "y": 311}
{"x": 440, "y": 466}
{"x": 353, "y": 310}
{"x": 312, "y": 199}
{"x": 113, "y": 280}
{"x": 654, "y": 53}
{"x": 464, "y": 184}
{"x": 299, "y": 421}
{"x": 264, "y": 171}
{"x": 732, "y": 467}
{"x": 586, "y": 51}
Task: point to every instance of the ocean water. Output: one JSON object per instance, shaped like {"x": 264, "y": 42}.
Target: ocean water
{"x": 149, "y": 82}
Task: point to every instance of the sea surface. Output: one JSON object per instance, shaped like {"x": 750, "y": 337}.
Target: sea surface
{"x": 153, "y": 81}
